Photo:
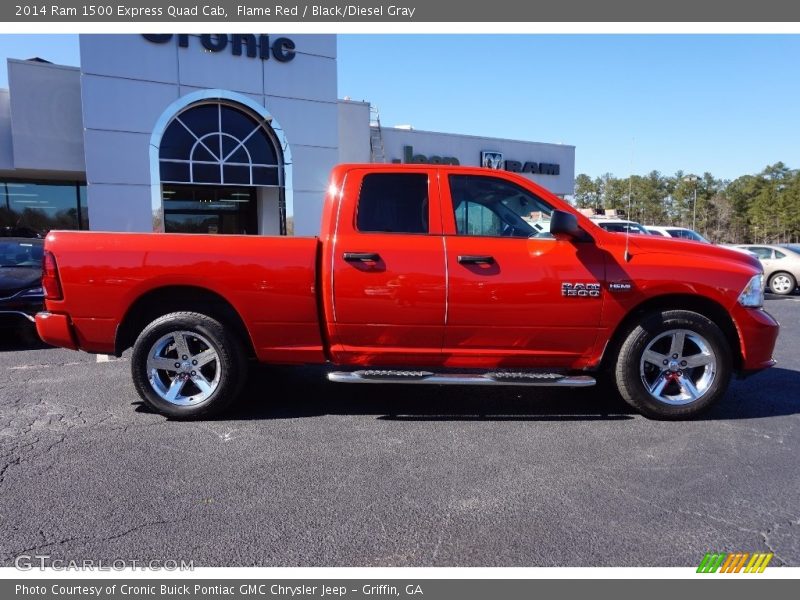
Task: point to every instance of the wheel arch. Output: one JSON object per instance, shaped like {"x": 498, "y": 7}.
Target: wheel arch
{"x": 699, "y": 304}
{"x": 164, "y": 300}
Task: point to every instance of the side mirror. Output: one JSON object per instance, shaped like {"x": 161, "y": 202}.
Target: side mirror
{"x": 564, "y": 225}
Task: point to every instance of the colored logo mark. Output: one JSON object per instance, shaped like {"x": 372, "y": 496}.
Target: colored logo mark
{"x": 734, "y": 562}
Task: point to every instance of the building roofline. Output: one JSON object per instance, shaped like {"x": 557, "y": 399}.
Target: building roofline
{"x": 475, "y": 137}
{"x": 345, "y": 101}
{"x": 34, "y": 63}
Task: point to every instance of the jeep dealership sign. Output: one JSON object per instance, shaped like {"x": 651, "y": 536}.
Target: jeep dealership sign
{"x": 489, "y": 159}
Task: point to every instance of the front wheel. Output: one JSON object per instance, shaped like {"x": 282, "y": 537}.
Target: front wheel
{"x": 673, "y": 365}
{"x": 782, "y": 283}
{"x": 186, "y": 365}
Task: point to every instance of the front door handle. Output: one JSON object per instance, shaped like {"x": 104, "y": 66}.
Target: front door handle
{"x": 475, "y": 259}
{"x": 362, "y": 256}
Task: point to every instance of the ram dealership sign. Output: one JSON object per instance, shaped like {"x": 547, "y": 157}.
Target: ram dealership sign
{"x": 494, "y": 160}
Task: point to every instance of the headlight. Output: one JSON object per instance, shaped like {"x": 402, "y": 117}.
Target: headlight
{"x": 36, "y": 292}
{"x": 752, "y": 295}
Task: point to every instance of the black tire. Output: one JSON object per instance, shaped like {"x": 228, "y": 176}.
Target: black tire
{"x": 228, "y": 368}
{"x": 676, "y": 397}
{"x": 786, "y": 281}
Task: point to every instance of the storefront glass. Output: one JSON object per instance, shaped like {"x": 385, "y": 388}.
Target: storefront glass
{"x": 42, "y": 206}
{"x": 209, "y": 209}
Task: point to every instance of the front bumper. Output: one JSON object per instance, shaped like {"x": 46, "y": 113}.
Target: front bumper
{"x": 758, "y": 331}
{"x": 56, "y": 330}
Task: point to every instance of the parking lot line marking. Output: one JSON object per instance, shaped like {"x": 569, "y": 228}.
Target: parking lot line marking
{"x": 24, "y": 367}
{"x": 103, "y": 358}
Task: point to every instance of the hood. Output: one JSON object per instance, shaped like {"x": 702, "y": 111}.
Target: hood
{"x": 687, "y": 248}
{"x": 14, "y": 279}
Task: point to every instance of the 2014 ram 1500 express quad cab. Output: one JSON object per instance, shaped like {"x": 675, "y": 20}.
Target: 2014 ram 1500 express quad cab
{"x": 422, "y": 274}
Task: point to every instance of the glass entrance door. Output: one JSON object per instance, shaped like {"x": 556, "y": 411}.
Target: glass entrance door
{"x": 210, "y": 209}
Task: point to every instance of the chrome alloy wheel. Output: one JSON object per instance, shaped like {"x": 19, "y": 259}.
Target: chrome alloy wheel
{"x": 678, "y": 367}
{"x": 781, "y": 284}
{"x": 183, "y": 368}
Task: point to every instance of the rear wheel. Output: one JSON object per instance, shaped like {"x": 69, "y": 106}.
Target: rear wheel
{"x": 673, "y": 365}
{"x": 186, "y": 365}
{"x": 782, "y": 283}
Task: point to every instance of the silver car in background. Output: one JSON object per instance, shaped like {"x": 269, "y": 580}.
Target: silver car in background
{"x": 781, "y": 264}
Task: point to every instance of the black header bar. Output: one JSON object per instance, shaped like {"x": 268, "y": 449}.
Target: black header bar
{"x": 404, "y": 11}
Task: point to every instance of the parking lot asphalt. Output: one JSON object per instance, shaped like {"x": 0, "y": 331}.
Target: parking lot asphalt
{"x": 309, "y": 473}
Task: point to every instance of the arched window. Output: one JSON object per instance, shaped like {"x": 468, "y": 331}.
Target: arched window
{"x": 216, "y": 143}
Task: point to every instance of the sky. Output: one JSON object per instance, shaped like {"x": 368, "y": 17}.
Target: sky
{"x": 726, "y": 104}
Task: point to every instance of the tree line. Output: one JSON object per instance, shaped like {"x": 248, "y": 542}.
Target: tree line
{"x": 761, "y": 208}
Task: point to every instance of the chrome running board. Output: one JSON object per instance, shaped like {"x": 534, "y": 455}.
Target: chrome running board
{"x": 494, "y": 378}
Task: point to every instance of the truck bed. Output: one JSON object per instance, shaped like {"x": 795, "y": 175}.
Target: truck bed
{"x": 268, "y": 281}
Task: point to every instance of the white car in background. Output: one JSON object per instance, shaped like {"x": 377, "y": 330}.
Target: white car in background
{"x": 677, "y": 232}
{"x": 619, "y": 225}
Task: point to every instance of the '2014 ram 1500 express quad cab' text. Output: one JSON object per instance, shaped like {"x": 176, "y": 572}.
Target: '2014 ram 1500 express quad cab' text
{"x": 422, "y": 274}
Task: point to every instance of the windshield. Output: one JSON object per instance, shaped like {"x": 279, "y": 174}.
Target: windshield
{"x": 26, "y": 253}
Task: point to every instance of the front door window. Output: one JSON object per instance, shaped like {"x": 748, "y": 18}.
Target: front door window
{"x": 491, "y": 207}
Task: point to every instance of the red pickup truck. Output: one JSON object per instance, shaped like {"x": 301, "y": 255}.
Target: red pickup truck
{"x": 422, "y": 274}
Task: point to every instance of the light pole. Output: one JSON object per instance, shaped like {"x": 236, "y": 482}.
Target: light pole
{"x": 695, "y": 179}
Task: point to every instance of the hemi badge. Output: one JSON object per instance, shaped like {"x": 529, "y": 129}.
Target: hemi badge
{"x": 620, "y": 286}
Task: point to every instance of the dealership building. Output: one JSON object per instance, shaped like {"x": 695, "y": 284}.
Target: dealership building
{"x": 207, "y": 134}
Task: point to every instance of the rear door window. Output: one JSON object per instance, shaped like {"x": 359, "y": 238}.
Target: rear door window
{"x": 393, "y": 203}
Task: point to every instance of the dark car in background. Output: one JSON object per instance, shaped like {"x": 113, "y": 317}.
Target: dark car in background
{"x": 20, "y": 232}
{"x": 21, "y": 295}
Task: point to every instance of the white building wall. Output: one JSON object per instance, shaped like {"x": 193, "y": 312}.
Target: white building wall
{"x": 46, "y": 122}
{"x": 354, "y": 132}
{"x": 128, "y": 82}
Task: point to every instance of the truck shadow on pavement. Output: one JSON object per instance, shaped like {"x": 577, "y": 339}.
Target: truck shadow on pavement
{"x": 305, "y": 392}
{"x": 21, "y": 339}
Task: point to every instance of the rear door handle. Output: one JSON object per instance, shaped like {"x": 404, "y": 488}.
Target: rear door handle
{"x": 362, "y": 256}
{"x": 475, "y": 259}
